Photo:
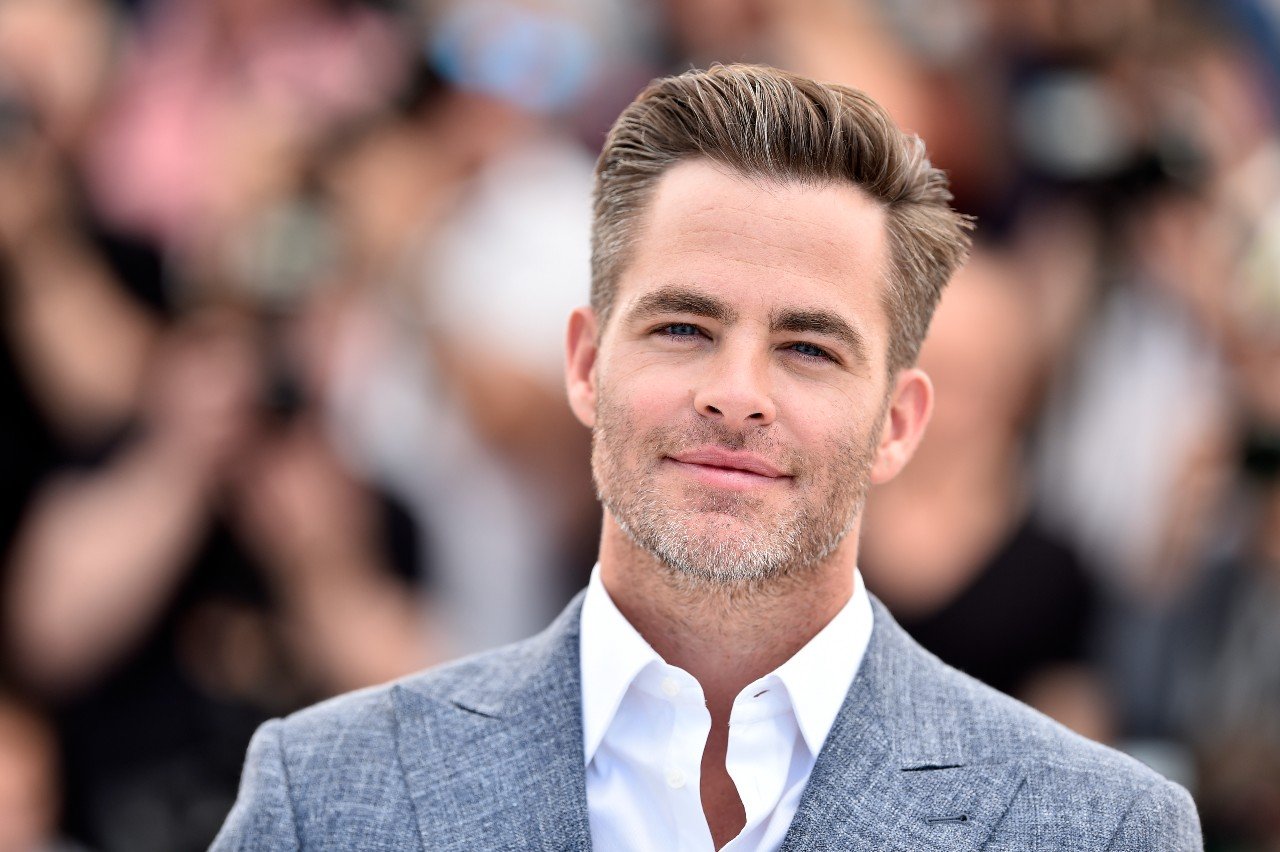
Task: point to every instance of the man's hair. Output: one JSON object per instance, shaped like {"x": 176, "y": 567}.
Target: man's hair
{"x": 766, "y": 123}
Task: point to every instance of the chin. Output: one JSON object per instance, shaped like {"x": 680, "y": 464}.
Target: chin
{"x": 725, "y": 541}
{"x": 734, "y": 554}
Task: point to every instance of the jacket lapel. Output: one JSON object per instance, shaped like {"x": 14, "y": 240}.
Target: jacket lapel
{"x": 495, "y": 760}
{"x": 893, "y": 773}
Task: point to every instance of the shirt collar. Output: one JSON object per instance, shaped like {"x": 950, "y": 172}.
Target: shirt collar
{"x": 819, "y": 675}
{"x": 613, "y": 653}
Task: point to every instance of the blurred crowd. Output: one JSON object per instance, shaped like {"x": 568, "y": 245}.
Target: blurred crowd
{"x": 282, "y": 293}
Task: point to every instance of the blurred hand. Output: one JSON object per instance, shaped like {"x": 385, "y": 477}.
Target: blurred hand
{"x": 28, "y": 779}
{"x": 103, "y": 551}
{"x": 313, "y": 526}
{"x": 203, "y": 393}
{"x": 300, "y": 509}
{"x": 35, "y": 193}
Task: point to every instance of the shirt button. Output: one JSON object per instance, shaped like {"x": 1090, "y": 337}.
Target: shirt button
{"x": 669, "y": 687}
{"x": 675, "y": 778}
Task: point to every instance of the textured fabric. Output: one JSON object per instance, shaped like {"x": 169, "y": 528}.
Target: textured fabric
{"x": 645, "y": 725}
{"x": 486, "y": 753}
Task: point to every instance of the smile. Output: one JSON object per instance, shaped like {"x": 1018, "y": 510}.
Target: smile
{"x": 728, "y": 469}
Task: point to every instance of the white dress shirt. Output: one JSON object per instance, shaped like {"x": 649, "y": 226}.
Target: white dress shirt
{"x": 645, "y": 724}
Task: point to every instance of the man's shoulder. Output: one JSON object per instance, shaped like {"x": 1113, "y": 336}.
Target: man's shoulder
{"x": 945, "y": 749}
{"x": 1062, "y": 774}
{"x": 422, "y": 755}
{"x": 993, "y": 727}
{"x": 369, "y": 715}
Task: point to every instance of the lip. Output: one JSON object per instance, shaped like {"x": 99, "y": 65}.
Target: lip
{"x": 730, "y": 461}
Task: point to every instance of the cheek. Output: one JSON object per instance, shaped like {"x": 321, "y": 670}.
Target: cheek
{"x": 819, "y": 408}
{"x": 645, "y": 387}
{"x": 835, "y": 427}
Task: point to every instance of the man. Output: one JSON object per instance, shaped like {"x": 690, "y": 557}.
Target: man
{"x": 767, "y": 252}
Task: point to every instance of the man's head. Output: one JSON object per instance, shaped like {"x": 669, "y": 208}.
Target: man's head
{"x": 743, "y": 366}
{"x": 764, "y": 123}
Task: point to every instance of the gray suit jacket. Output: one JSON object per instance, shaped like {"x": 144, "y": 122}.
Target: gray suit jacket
{"x": 486, "y": 753}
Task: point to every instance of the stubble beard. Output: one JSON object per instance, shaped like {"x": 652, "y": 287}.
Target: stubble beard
{"x": 721, "y": 539}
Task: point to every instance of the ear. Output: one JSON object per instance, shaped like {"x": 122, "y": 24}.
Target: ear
{"x": 581, "y": 347}
{"x": 910, "y": 404}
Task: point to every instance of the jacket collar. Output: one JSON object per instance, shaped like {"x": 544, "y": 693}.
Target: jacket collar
{"x": 897, "y": 770}
{"x": 498, "y": 753}
{"x": 494, "y": 758}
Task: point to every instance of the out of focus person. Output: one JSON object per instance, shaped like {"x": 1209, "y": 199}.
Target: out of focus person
{"x": 1168, "y": 280}
{"x": 1217, "y": 690}
{"x": 218, "y": 99}
{"x": 1163, "y": 470}
{"x": 437, "y": 203}
{"x": 30, "y": 796}
{"x": 854, "y": 42}
{"x": 76, "y": 297}
{"x": 1223, "y": 688}
{"x": 953, "y": 545}
{"x": 219, "y": 567}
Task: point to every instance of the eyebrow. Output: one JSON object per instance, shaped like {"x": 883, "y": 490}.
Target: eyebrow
{"x": 821, "y": 322}
{"x": 679, "y": 300}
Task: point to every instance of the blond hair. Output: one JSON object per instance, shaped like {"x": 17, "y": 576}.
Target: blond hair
{"x": 763, "y": 122}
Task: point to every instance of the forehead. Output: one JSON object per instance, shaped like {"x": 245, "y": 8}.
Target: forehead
{"x": 759, "y": 242}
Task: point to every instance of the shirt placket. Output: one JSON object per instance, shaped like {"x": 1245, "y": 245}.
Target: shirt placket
{"x": 681, "y": 769}
{"x": 762, "y": 735}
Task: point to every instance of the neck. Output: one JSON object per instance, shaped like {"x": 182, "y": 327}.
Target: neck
{"x": 725, "y": 637}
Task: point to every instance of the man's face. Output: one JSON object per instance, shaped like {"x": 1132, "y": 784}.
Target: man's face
{"x": 740, "y": 384}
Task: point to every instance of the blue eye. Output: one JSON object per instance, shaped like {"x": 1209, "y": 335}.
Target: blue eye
{"x": 808, "y": 350}
{"x": 681, "y": 329}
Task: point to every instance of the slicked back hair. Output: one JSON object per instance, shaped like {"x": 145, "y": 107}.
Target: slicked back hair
{"x": 771, "y": 124}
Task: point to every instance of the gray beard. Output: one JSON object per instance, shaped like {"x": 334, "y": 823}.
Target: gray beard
{"x": 702, "y": 540}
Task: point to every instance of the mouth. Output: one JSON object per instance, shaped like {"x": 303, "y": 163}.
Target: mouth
{"x": 729, "y": 468}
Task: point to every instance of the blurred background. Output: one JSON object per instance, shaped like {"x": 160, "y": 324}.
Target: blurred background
{"x": 282, "y": 292}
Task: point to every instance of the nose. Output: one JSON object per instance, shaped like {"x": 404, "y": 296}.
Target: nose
{"x": 735, "y": 389}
